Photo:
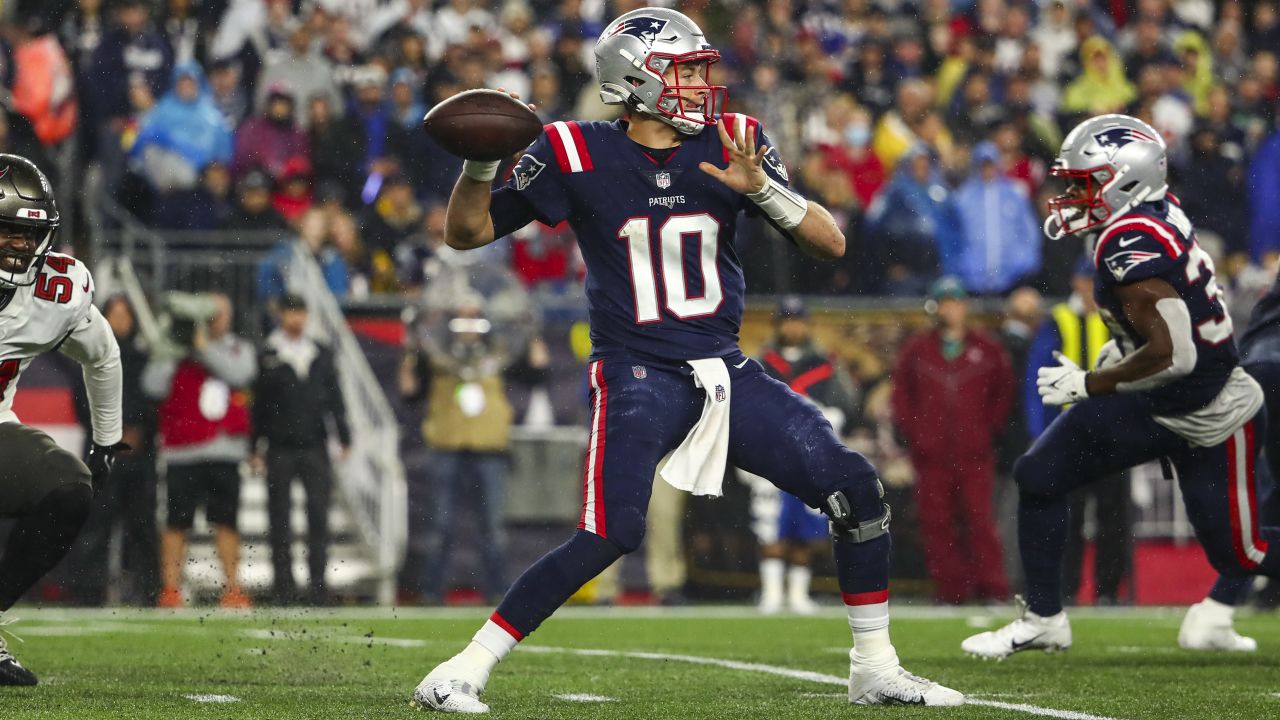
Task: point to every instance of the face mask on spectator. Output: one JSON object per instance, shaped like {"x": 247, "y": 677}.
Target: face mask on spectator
{"x": 857, "y": 135}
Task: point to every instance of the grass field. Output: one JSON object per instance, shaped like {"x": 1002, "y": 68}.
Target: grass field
{"x": 696, "y": 663}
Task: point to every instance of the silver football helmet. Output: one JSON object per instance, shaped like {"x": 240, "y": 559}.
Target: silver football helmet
{"x": 1111, "y": 163}
{"x": 635, "y": 52}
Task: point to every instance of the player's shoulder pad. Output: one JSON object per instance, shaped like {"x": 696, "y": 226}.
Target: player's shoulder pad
{"x": 1137, "y": 246}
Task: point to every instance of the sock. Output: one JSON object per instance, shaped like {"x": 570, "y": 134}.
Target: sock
{"x": 869, "y": 621}
{"x": 798, "y": 577}
{"x": 1042, "y": 537}
{"x": 863, "y": 572}
{"x": 1230, "y": 590}
{"x": 472, "y": 665}
{"x": 39, "y": 540}
{"x": 548, "y": 583}
{"x": 771, "y": 572}
{"x": 1218, "y": 610}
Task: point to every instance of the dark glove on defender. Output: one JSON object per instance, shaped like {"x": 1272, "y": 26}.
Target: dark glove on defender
{"x": 101, "y": 459}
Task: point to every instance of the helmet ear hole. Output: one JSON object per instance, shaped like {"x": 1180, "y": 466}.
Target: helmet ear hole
{"x": 1129, "y": 186}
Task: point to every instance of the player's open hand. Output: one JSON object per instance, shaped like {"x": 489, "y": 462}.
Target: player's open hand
{"x": 745, "y": 172}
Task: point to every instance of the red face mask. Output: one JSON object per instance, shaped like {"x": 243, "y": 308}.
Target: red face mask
{"x": 672, "y": 102}
{"x": 1081, "y": 207}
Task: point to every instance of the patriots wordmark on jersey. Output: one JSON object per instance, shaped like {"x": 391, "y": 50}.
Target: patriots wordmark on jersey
{"x": 663, "y": 273}
{"x": 54, "y": 313}
{"x": 1156, "y": 240}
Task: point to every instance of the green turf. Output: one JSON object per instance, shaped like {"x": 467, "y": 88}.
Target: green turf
{"x": 330, "y": 664}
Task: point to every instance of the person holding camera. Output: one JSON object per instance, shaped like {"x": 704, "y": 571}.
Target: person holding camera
{"x": 468, "y": 432}
{"x": 296, "y": 390}
{"x": 204, "y": 435}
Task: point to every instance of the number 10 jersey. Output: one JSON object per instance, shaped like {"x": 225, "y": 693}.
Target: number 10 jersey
{"x": 664, "y": 276}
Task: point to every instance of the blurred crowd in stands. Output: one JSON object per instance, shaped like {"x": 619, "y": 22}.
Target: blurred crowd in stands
{"x": 927, "y": 126}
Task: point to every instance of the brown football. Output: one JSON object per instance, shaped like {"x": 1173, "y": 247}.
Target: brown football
{"x": 482, "y": 125}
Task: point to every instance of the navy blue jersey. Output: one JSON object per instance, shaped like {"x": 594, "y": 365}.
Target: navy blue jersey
{"x": 1156, "y": 240}
{"x": 657, "y": 234}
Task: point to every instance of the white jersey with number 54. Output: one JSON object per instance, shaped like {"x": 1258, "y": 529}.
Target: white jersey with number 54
{"x": 57, "y": 313}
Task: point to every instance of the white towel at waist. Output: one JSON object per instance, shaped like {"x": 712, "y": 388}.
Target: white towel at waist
{"x": 697, "y": 466}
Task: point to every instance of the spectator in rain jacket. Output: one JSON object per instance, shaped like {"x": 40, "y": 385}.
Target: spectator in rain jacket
{"x": 182, "y": 134}
{"x": 903, "y": 223}
{"x": 994, "y": 239}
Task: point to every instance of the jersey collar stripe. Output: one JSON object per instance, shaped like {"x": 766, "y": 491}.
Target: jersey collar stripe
{"x": 557, "y": 145}
{"x": 580, "y": 144}
{"x": 565, "y": 144}
{"x": 1166, "y": 238}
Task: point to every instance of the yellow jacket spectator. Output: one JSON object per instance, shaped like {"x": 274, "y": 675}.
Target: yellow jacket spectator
{"x": 1102, "y": 88}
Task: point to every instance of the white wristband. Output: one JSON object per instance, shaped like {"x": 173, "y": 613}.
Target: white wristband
{"x": 784, "y": 206}
{"x": 481, "y": 170}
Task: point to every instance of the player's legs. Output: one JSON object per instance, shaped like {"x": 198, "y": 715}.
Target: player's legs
{"x": 766, "y": 523}
{"x": 780, "y": 436}
{"x": 802, "y": 529}
{"x": 1091, "y": 440}
{"x": 640, "y": 412}
{"x": 1220, "y": 493}
{"x": 48, "y": 489}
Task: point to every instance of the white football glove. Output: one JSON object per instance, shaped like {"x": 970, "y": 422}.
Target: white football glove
{"x": 1063, "y": 384}
{"x": 1108, "y": 355}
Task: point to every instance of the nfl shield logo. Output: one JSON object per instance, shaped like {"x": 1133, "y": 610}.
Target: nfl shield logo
{"x": 719, "y": 393}
{"x": 663, "y": 180}
{"x": 639, "y": 372}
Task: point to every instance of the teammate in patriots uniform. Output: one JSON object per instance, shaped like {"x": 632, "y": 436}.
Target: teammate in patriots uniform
{"x": 46, "y": 303}
{"x": 653, "y": 199}
{"x": 1167, "y": 387}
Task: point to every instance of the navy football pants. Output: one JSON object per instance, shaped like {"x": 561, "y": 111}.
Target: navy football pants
{"x": 1231, "y": 589}
{"x": 1104, "y": 435}
{"x": 642, "y": 410}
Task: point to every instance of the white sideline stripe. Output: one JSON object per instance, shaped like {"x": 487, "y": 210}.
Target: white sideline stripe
{"x": 584, "y": 698}
{"x": 212, "y": 698}
{"x": 796, "y": 674}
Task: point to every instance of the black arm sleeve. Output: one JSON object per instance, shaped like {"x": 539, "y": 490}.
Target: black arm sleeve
{"x": 509, "y": 211}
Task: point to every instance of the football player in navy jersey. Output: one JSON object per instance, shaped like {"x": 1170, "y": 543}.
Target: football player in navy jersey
{"x": 1168, "y": 386}
{"x": 654, "y": 199}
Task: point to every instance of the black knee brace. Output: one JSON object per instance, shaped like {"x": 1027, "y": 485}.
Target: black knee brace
{"x": 844, "y": 526}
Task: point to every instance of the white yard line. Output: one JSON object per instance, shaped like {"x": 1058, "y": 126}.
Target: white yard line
{"x": 584, "y": 698}
{"x": 263, "y": 634}
{"x": 212, "y": 698}
{"x": 797, "y": 675}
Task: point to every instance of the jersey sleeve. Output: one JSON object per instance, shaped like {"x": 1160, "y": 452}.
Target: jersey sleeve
{"x": 92, "y": 344}
{"x": 536, "y": 181}
{"x": 1135, "y": 254}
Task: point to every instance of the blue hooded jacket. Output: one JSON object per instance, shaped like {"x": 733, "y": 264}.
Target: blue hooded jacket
{"x": 996, "y": 238}
{"x": 1264, "y": 188}
{"x": 195, "y": 130}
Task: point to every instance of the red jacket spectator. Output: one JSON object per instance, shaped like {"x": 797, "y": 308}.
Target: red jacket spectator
{"x": 969, "y": 396}
{"x": 270, "y": 140}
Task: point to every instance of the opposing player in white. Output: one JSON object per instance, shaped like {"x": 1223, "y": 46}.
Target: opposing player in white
{"x": 46, "y": 303}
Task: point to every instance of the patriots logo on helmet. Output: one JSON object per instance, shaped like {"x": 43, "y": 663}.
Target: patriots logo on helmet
{"x": 645, "y": 28}
{"x": 1112, "y": 139}
{"x": 1121, "y": 263}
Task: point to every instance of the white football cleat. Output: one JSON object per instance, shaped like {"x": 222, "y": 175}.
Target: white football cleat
{"x": 1208, "y": 626}
{"x": 1028, "y": 632}
{"x": 451, "y": 696}
{"x": 896, "y": 686}
{"x": 802, "y": 605}
{"x": 770, "y": 605}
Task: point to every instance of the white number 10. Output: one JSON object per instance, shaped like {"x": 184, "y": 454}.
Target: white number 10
{"x": 671, "y": 238}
